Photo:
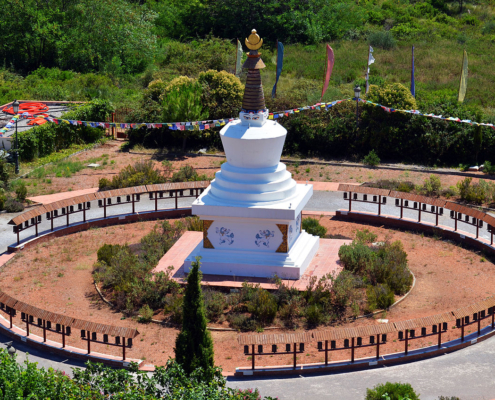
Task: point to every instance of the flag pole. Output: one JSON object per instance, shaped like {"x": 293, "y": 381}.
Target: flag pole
{"x": 236, "y": 55}
{"x": 324, "y": 75}
{"x": 367, "y": 75}
{"x": 275, "y": 94}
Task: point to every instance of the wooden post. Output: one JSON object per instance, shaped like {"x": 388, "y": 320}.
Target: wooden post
{"x": 377, "y": 347}
{"x": 401, "y": 208}
{"x": 491, "y": 238}
{"x": 326, "y": 351}
{"x": 407, "y": 337}
{"x": 17, "y": 230}
{"x": 176, "y": 202}
{"x": 113, "y": 127}
{"x": 295, "y": 349}
{"x": 436, "y": 215}
{"x": 133, "y": 209}
{"x": 123, "y": 348}
{"x": 350, "y": 201}
{"x": 104, "y": 208}
{"x": 156, "y": 200}
{"x": 352, "y": 350}
{"x": 479, "y": 323}
{"x": 63, "y": 336}
{"x": 36, "y": 225}
{"x": 27, "y": 325}
{"x": 455, "y": 220}
{"x": 419, "y": 214}
{"x": 51, "y": 219}
{"x": 10, "y": 314}
{"x": 252, "y": 357}
{"x": 477, "y": 229}
{"x": 462, "y": 329}
{"x": 89, "y": 341}
{"x": 67, "y": 214}
{"x": 44, "y": 331}
{"x": 84, "y": 212}
{"x": 439, "y": 335}
{"x": 379, "y": 204}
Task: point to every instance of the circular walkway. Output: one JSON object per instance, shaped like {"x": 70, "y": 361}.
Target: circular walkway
{"x": 467, "y": 374}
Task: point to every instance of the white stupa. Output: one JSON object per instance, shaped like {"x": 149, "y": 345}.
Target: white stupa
{"x": 251, "y": 212}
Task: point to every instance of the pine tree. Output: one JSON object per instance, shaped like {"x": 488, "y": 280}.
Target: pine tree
{"x": 194, "y": 346}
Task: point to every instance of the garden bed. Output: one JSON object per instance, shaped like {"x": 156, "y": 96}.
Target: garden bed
{"x": 57, "y": 276}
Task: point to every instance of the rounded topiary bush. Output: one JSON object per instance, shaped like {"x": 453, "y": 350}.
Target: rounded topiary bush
{"x": 393, "y": 95}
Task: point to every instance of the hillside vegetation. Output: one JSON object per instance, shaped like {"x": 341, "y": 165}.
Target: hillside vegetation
{"x": 113, "y": 50}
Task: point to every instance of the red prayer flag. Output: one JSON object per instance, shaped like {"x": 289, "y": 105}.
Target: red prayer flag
{"x": 330, "y": 62}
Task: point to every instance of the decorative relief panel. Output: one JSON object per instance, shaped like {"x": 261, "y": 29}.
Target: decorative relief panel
{"x": 263, "y": 238}
{"x": 206, "y": 242}
{"x": 225, "y": 236}
{"x": 284, "y": 246}
{"x": 298, "y": 223}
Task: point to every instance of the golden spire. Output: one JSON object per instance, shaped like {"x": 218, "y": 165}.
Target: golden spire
{"x": 254, "y": 42}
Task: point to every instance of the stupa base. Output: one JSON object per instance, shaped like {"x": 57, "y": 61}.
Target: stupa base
{"x": 250, "y": 263}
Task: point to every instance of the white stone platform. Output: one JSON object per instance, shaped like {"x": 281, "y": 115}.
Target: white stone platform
{"x": 261, "y": 264}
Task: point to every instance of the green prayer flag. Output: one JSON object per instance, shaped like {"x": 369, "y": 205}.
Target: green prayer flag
{"x": 238, "y": 67}
{"x": 464, "y": 76}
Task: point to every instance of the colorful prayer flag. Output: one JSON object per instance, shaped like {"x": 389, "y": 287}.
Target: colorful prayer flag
{"x": 463, "y": 80}
{"x": 371, "y": 60}
{"x": 330, "y": 63}
{"x": 238, "y": 59}
{"x": 280, "y": 60}
{"x": 413, "y": 83}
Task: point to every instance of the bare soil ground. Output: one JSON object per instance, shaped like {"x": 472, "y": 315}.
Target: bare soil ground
{"x": 57, "y": 276}
{"x": 205, "y": 164}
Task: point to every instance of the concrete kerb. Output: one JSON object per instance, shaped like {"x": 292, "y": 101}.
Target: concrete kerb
{"x": 392, "y": 167}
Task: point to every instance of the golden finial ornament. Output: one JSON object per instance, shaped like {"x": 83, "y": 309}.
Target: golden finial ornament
{"x": 254, "y": 42}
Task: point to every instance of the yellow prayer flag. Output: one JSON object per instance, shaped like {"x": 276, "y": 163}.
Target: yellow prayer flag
{"x": 464, "y": 76}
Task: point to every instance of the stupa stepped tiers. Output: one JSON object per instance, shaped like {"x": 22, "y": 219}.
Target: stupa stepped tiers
{"x": 251, "y": 212}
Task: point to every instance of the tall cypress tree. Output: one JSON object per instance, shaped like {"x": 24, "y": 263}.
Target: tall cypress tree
{"x": 194, "y": 346}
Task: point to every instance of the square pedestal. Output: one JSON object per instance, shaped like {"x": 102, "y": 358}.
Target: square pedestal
{"x": 258, "y": 264}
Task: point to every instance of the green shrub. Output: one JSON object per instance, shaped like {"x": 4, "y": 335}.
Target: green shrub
{"x": 365, "y": 236}
{"x": 263, "y": 306}
{"x": 242, "y": 322}
{"x": 406, "y": 187}
{"x": 3, "y": 198}
{"x": 141, "y": 173}
{"x": 488, "y": 168}
{"x": 21, "y": 192}
{"x": 395, "y": 391}
{"x": 379, "y": 297}
{"x": 194, "y": 224}
{"x": 173, "y": 306}
{"x": 215, "y": 304}
{"x": 106, "y": 252}
{"x": 290, "y": 312}
{"x": 432, "y": 186}
{"x": 12, "y": 206}
{"x": 477, "y": 193}
{"x": 129, "y": 276}
{"x": 313, "y": 227}
{"x": 314, "y": 315}
{"x": 222, "y": 93}
{"x": 371, "y": 159}
{"x": 390, "y": 267}
{"x": 392, "y": 95}
{"x": 145, "y": 314}
{"x": 356, "y": 257}
{"x": 187, "y": 174}
{"x": 382, "y": 39}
